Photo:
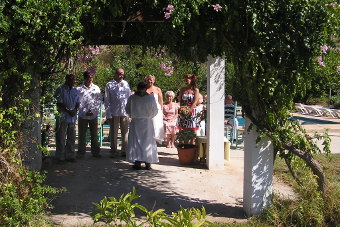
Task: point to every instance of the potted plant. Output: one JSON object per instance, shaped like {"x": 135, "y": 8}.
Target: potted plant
{"x": 186, "y": 147}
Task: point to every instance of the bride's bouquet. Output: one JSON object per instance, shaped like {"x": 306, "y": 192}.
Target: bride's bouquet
{"x": 184, "y": 111}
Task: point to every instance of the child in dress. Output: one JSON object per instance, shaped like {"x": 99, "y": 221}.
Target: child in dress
{"x": 170, "y": 113}
{"x": 201, "y": 107}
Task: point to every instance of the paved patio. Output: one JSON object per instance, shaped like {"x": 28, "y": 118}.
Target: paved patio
{"x": 168, "y": 185}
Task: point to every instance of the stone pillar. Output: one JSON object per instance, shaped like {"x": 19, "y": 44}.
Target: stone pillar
{"x": 215, "y": 110}
{"x": 258, "y": 173}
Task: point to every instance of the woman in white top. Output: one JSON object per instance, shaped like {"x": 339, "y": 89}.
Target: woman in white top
{"x": 141, "y": 108}
{"x": 158, "y": 119}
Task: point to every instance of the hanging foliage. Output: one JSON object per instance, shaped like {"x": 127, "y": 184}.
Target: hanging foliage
{"x": 271, "y": 45}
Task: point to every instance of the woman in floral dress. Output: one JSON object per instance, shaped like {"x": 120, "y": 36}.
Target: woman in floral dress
{"x": 188, "y": 97}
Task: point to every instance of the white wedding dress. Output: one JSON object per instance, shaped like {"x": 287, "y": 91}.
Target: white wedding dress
{"x": 158, "y": 122}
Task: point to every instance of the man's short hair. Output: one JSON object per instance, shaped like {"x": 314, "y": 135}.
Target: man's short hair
{"x": 141, "y": 86}
{"x": 68, "y": 76}
{"x": 116, "y": 71}
{"x": 86, "y": 74}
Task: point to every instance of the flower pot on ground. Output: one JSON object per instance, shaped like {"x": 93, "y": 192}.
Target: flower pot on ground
{"x": 186, "y": 147}
{"x": 186, "y": 153}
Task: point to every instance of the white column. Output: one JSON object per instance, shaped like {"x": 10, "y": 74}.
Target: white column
{"x": 215, "y": 109}
{"x": 258, "y": 173}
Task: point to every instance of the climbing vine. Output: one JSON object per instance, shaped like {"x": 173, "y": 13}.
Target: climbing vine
{"x": 270, "y": 44}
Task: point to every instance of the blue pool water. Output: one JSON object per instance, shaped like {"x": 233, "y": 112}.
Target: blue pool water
{"x": 305, "y": 120}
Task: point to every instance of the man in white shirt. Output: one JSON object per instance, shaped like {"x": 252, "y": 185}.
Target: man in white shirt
{"x": 90, "y": 100}
{"x": 117, "y": 92}
{"x": 67, "y": 104}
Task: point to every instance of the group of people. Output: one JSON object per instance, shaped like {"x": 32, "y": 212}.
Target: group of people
{"x": 144, "y": 120}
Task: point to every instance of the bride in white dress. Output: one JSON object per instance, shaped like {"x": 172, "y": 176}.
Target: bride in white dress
{"x": 158, "y": 119}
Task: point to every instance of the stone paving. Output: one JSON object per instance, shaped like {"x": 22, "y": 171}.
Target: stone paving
{"x": 168, "y": 185}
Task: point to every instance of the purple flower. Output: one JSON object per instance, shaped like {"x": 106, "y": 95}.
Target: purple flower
{"x": 338, "y": 68}
{"x": 324, "y": 49}
{"x": 168, "y": 74}
{"x": 167, "y": 68}
{"x": 167, "y": 15}
{"x": 163, "y": 66}
{"x": 217, "y": 7}
{"x": 322, "y": 63}
{"x": 170, "y": 8}
{"x": 94, "y": 50}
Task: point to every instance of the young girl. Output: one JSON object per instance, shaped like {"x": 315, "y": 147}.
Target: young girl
{"x": 170, "y": 113}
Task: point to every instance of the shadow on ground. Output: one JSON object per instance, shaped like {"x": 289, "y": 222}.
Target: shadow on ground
{"x": 90, "y": 179}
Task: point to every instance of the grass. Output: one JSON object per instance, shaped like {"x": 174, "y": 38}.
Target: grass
{"x": 309, "y": 209}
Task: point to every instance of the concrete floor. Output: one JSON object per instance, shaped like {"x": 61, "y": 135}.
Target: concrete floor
{"x": 168, "y": 185}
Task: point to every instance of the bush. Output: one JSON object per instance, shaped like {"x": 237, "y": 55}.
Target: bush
{"x": 22, "y": 193}
{"x": 322, "y": 101}
{"x": 336, "y": 105}
{"x": 334, "y": 100}
{"x": 20, "y": 202}
{"x": 122, "y": 212}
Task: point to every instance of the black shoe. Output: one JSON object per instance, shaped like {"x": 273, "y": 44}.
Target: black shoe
{"x": 71, "y": 159}
{"x": 97, "y": 155}
{"x": 148, "y": 166}
{"x": 137, "y": 165}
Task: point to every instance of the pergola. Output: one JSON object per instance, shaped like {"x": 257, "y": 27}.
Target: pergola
{"x": 258, "y": 160}
{"x": 136, "y": 28}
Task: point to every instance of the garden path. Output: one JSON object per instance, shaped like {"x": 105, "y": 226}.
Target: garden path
{"x": 168, "y": 185}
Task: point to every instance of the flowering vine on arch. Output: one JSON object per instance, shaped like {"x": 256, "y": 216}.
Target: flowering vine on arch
{"x": 270, "y": 53}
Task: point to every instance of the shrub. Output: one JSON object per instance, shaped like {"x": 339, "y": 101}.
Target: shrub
{"x": 21, "y": 201}
{"x": 323, "y": 101}
{"x": 122, "y": 212}
{"x": 22, "y": 193}
{"x": 336, "y": 105}
{"x": 334, "y": 100}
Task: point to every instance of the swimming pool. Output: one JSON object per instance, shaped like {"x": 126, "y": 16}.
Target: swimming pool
{"x": 308, "y": 121}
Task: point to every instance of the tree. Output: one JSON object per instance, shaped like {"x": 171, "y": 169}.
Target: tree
{"x": 270, "y": 44}
{"x": 35, "y": 37}
{"x": 139, "y": 62}
{"x": 271, "y": 48}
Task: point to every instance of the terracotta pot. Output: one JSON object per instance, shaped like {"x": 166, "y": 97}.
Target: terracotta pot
{"x": 186, "y": 153}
